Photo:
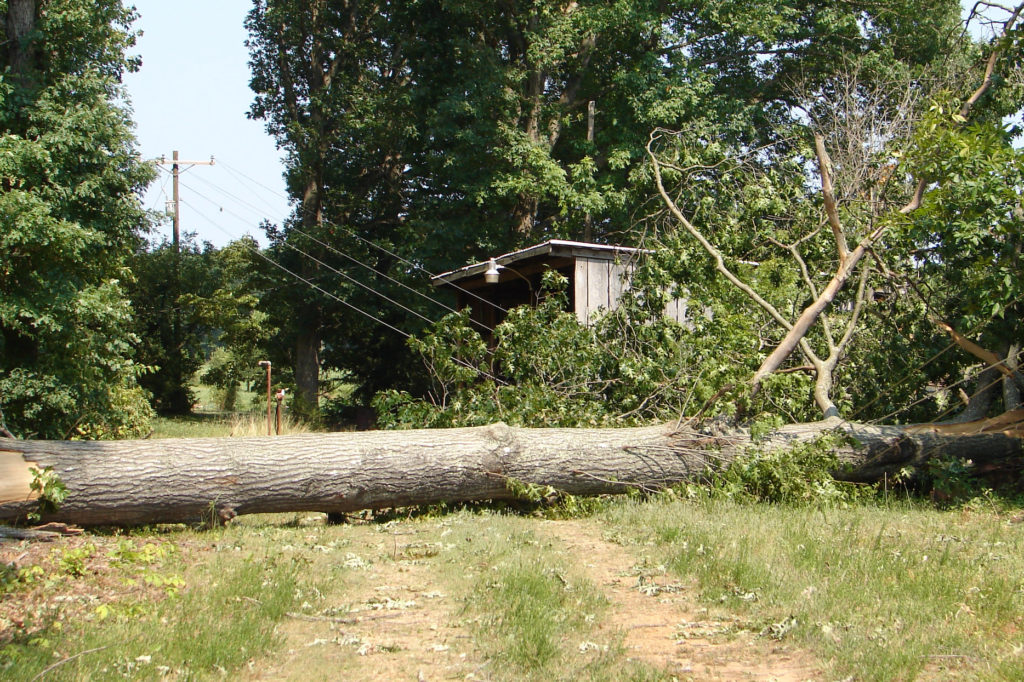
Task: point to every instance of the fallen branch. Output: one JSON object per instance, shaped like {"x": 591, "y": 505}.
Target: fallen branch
{"x": 62, "y": 661}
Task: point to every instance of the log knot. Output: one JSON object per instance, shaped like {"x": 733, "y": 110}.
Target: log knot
{"x": 499, "y": 431}
{"x": 505, "y": 447}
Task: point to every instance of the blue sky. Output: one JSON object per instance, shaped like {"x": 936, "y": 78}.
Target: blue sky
{"x": 192, "y": 95}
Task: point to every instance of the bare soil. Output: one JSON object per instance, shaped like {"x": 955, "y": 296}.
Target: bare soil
{"x": 394, "y": 622}
{"x": 393, "y": 614}
{"x": 405, "y": 628}
{"x": 661, "y": 623}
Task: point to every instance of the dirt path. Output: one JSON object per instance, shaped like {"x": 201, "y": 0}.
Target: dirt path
{"x": 393, "y": 619}
{"x": 660, "y": 622}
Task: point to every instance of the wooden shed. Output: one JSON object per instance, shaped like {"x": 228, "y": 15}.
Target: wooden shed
{"x": 597, "y": 274}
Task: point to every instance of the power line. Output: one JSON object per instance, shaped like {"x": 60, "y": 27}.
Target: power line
{"x": 238, "y": 176}
{"x": 161, "y": 193}
{"x": 299, "y": 277}
{"x": 372, "y": 244}
{"x": 353, "y": 259}
{"x": 488, "y": 351}
{"x": 420, "y": 268}
{"x": 310, "y": 283}
{"x": 335, "y": 270}
{"x": 358, "y": 283}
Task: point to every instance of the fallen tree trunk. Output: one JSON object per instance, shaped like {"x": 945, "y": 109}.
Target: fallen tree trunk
{"x": 184, "y": 480}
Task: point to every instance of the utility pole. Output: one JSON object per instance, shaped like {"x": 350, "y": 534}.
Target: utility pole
{"x": 176, "y": 368}
{"x": 176, "y": 164}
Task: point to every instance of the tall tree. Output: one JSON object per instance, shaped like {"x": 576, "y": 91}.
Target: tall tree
{"x": 173, "y": 327}
{"x": 891, "y": 152}
{"x": 450, "y": 130}
{"x": 69, "y": 217}
{"x": 328, "y": 82}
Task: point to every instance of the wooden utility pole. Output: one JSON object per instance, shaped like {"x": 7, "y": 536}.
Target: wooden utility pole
{"x": 176, "y": 239}
{"x": 177, "y": 362}
{"x": 176, "y": 164}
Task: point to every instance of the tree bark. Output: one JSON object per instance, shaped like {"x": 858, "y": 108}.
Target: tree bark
{"x": 184, "y": 480}
{"x": 307, "y": 364}
{"x": 1011, "y": 383}
{"x": 986, "y": 386}
{"x": 19, "y": 22}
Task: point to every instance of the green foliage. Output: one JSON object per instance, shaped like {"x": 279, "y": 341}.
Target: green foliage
{"x": 196, "y": 306}
{"x": 552, "y": 503}
{"x": 969, "y": 235}
{"x": 546, "y": 369}
{"x": 69, "y": 217}
{"x": 952, "y": 480}
{"x": 232, "y": 311}
{"x": 447, "y": 131}
{"x": 217, "y": 622}
{"x": 72, "y": 561}
{"x": 51, "y": 491}
{"x": 529, "y": 491}
{"x": 797, "y": 475}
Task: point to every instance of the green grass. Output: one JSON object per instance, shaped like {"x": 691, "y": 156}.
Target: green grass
{"x": 874, "y": 592}
{"x": 530, "y": 610}
{"x": 151, "y": 615}
{"x": 881, "y": 593}
{"x": 209, "y": 399}
{"x": 223, "y": 426}
{"x": 247, "y": 418}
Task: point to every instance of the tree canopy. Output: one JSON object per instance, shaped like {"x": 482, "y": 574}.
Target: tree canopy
{"x": 833, "y": 185}
{"x": 69, "y": 218}
{"x": 450, "y": 131}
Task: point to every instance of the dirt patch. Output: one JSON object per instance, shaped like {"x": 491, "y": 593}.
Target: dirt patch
{"x": 660, "y": 621}
{"x": 78, "y": 578}
{"x": 384, "y": 602}
{"x": 392, "y": 620}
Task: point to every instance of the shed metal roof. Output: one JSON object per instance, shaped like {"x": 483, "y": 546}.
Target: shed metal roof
{"x": 552, "y": 247}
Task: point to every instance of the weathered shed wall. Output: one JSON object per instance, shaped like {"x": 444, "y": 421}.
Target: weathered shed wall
{"x": 598, "y": 283}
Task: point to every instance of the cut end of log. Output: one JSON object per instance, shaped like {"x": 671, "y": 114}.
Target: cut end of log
{"x": 16, "y": 478}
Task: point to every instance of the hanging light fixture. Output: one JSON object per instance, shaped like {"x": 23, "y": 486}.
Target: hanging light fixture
{"x": 492, "y": 274}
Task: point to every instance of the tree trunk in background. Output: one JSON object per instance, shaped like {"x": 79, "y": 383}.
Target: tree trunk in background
{"x": 307, "y": 366}
{"x": 19, "y": 23}
{"x": 307, "y": 342}
{"x": 182, "y": 480}
{"x": 524, "y": 216}
{"x": 986, "y": 388}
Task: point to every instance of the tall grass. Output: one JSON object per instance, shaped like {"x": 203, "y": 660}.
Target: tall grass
{"x": 225, "y": 426}
{"x": 881, "y": 593}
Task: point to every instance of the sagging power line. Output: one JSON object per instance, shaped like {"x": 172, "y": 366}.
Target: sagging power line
{"x": 316, "y": 260}
{"x": 313, "y": 285}
{"x": 372, "y": 244}
{"x": 352, "y": 259}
